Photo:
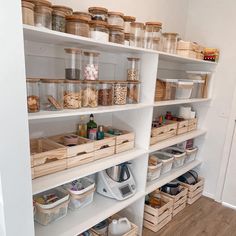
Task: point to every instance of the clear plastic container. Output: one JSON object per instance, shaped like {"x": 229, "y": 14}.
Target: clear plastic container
{"x": 183, "y": 89}
{"x": 153, "y": 35}
{"x": 116, "y": 18}
{"x": 105, "y": 93}
{"x": 169, "y": 42}
{"x": 33, "y": 100}
{"x": 133, "y": 92}
{"x": 191, "y": 154}
{"x": 58, "y": 21}
{"x": 116, "y": 34}
{"x": 90, "y": 94}
{"x": 51, "y": 94}
{"x": 98, "y": 13}
{"x": 27, "y": 12}
{"x": 86, "y": 15}
{"x": 137, "y": 29}
{"x": 165, "y": 89}
{"x": 129, "y": 39}
{"x": 77, "y": 25}
{"x": 43, "y": 14}
{"x": 120, "y": 92}
{"x": 67, "y": 10}
{"x": 127, "y": 21}
{"x": 167, "y": 161}
{"x": 73, "y": 94}
{"x": 73, "y": 63}
{"x": 198, "y": 89}
{"x": 154, "y": 168}
{"x": 91, "y": 66}
{"x": 178, "y": 154}
{"x": 133, "y": 70}
{"x": 99, "y": 31}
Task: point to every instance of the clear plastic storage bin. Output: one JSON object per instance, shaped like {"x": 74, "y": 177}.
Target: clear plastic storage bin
{"x": 178, "y": 154}
{"x": 169, "y": 42}
{"x": 133, "y": 92}
{"x": 33, "y": 100}
{"x": 165, "y": 89}
{"x": 154, "y": 168}
{"x": 198, "y": 89}
{"x": 184, "y": 89}
{"x": 191, "y": 154}
{"x": 166, "y": 159}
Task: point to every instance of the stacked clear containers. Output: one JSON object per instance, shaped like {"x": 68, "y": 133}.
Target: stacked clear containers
{"x": 137, "y": 29}
{"x": 133, "y": 92}
{"x": 133, "y": 70}
{"x": 153, "y": 35}
{"x": 116, "y": 18}
{"x": 105, "y": 93}
{"x": 99, "y": 31}
{"x": 120, "y": 92}
{"x": 90, "y": 94}
{"x": 91, "y": 66}
{"x": 116, "y": 34}
{"x": 73, "y": 63}
{"x": 169, "y": 42}
{"x": 27, "y": 12}
{"x": 33, "y": 101}
{"x": 98, "y": 13}
{"x": 59, "y": 21}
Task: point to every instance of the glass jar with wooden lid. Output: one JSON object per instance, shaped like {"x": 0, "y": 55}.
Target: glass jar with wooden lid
{"x": 153, "y": 35}
{"x": 58, "y": 20}
{"x": 116, "y": 18}
{"x": 120, "y": 92}
{"x": 33, "y": 99}
{"x": 127, "y": 21}
{"x": 99, "y": 31}
{"x": 84, "y": 14}
{"x": 133, "y": 92}
{"x": 169, "y": 42}
{"x": 133, "y": 70}
{"x": 116, "y": 34}
{"x": 43, "y": 14}
{"x": 105, "y": 93}
{"x": 91, "y": 65}
{"x": 27, "y": 12}
{"x": 129, "y": 39}
{"x": 98, "y": 13}
{"x": 90, "y": 93}
{"x": 67, "y": 10}
{"x": 137, "y": 29}
{"x": 77, "y": 25}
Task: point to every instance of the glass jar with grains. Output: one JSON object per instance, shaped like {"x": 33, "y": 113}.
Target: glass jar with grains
{"x": 58, "y": 21}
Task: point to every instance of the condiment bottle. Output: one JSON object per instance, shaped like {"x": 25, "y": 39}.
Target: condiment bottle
{"x": 92, "y": 128}
{"x": 82, "y": 127}
{"x": 100, "y": 133}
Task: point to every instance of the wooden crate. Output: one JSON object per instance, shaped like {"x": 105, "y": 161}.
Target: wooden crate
{"x": 79, "y": 154}
{"x": 32, "y": 173}
{"x": 182, "y": 127}
{"x": 192, "y": 124}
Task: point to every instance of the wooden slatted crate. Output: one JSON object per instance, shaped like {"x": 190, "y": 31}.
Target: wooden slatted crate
{"x": 192, "y": 124}
{"x": 182, "y": 127}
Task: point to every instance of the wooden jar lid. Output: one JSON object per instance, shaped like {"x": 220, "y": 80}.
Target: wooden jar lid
{"x": 84, "y": 14}
{"x": 59, "y": 13}
{"x": 129, "y": 18}
{"x": 97, "y": 10}
{"x": 95, "y": 54}
{"x": 137, "y": 24}
{"x": 32, "y": 80}
{"x": 170, "y": 34}
{"x": 116, "y": 27}
{"x": 65, "y": 9}
{"x": 67, "y": 81}
{"x": 154, "y": 23}
{"x": 133, "y": 58}
{"x": 113, "y": 13}
{"x": 43, "y": 3}
{"x": 27, "y": 4}
{"x": 99, "y": 23}
{"x": 55, "y": 81}
{"x": 77, "y": 18}
{"x": 73, "y": 50}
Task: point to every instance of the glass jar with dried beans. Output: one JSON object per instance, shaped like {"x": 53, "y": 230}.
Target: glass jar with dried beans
{"x": 99, "y": 31}
{"x": 116, "y": 18}
{"x": 120, "y": 92}
{"x": 133, "y": 70}
{"x": 105, "y": 93}
{"x": 153, "y": 35}
{"x": 116, "y": 34}
{"x": 86, "y": 15}
{"x": 67, "y": 10}
{"x": 59, "y": 21}
{"x": 127, "y": 21}
{"x": 27, "y": 12}
{"x": 33, "y": 101}
{"x": 137, "y": 29}
{"x": 98, "y": 13}
{"x": 91, "y": 66}
{"x": 90, "y": 94}
{"x": 133, "y": 91}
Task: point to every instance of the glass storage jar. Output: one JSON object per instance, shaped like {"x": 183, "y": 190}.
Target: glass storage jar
{"x": 116, "y": 18}
{"x": 169, "y": 43}
{"x": 67, "y": 10}
{"x": 98, "y": 13}
{"x": 120, "y": 92}
{"x": 129, "y": 39}
{"x": 99, "y": 31}
{"x": 27, "y": 12}
{"x": 58, "y": 20}
{"x": 116, "y": 34}
{"x": 51, "y": 94}
{"x": 133, "y": 91}
{"x": 90, "y": 94}
{"x": 73, "y": 94}
{"x": 91, "y": 65}
{"x": 77, "y": 25}
{"x": 33, "y": 101}
{"x": 86, "y": 15}
{"x": 43, "y": 14}
{"x": 133, "y": 68}
{"x": 137, "y": 29}
{"x": 105, "y": 93}
{"x": 127, "y": 21}
{"x": 153, "y": 35}
{"x": 73, "y": 63}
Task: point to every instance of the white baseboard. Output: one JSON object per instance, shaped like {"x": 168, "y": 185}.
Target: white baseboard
{"x": 229, "y": 205}
{"x": 206, "y": 194}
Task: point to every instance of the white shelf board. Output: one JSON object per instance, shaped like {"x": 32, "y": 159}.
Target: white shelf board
{"x": 180, "y": 101}
{"x": 177, "y": 139}
{"x": 56, "y": 179}
{"x": 173, "y": 174}
{"x": 80, "y": 220}
{"x": 85, "y": 111}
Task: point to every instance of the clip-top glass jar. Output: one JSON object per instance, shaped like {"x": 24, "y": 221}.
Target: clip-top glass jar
{"x": 116, "y": 34}
{"x": 127, "y": 21}
{"x": 91, "y": 65}
{"x": 133, "y": 91}
{"x": 27, "y": 12}
{"x": 73, "y": 63}
{"x": 169, "y": 42}
{"x": 133, "y": 70}
{"x": 116, "y": 18}
{"x": 51, "y": 94}
{"x": 105, "y": 93}
{"x": 59, "y": 20}
{"x": 67, "y": 10}
{"x": 137, "y": 29}
{"x": 153, "y": 35}
{"x": 120, "y": 92}
{"x": 33, "y": 101}
{"x": 99, "y": 31}
{"x": 90, "y": 93}
{"x": 98, "y": 13}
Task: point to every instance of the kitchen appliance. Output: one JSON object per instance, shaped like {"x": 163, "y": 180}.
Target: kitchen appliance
{"x": 116, "y": 182}
{"x": 190, "y": 177}
{"x": 172, "y": 188}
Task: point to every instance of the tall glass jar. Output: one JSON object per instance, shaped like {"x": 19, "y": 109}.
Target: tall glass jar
{"x": 127, "y": 21}
{"x": 133, "y": 92}
{"x": 137, "y": 29}
{"x": 120, "y": 92}
{"x": 51, "y": 94}
{"x": 105, "y": 93}
{"x": 116, "y": 18}
{"x": 67, "y": 10}
{"x": 73, "y": 63}
{"x": 153, "y": 35}
{"x": 169, "y": 42}
{"x": 43, "y": 14}
{"x": 27, "y": 12}
{"x": 73, "y": 94}
{"x": 91, "y": 65}
{"x": 133, "y": 70}
{"x": 58, "y": 21}
{"x": 116, "y": 34}
{"x": 98, "y": 13}
{"x": 129, "y": 39}
{"x": 33, "y": 100}
{"x": 99, "y": 31}
{"x": 90, "y": 94}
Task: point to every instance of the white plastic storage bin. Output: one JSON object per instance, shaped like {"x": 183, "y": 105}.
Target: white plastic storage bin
{"x": 81, "y": 192}
{"x": 49, "y": 212}
{"x": 154, "y": 168}
{"x": 178, "y": 154}
{"x": 166, "y": 159}
{"x": 191, "y": 154}
{"x": 184, "y": 89}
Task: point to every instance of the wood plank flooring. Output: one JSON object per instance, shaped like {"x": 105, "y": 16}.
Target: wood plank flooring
{"x": 204, "y": 218}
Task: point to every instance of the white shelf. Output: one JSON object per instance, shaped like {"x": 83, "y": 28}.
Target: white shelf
{"x": 173, "y": 174}
{"x": 180, "y": 101}
{"x": 80, "y": 220}
{"x": 177, "y": 139}
{"x": 56, "y": 179}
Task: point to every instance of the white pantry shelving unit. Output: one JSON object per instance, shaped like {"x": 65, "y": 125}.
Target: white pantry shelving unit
{"x": 44, "y": 56}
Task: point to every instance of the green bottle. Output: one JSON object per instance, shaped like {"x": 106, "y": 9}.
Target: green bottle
{"x": 92, "y": 128}
{"x": 100, "y": 134}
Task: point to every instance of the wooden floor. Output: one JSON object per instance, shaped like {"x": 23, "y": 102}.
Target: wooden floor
{"x": 204, "y": 218}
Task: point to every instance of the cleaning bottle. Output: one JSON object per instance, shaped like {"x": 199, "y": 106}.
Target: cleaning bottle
{"x": 119, "y": 227}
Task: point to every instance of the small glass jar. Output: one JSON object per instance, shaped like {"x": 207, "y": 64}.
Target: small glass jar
{"x": 133, "y": 92}
{"x": 77, "y": 25}
{"x": 105, "y": 93}
{"x": 98, "y": 13}
{"x": 127, "y": 21}
{"x": 152, "y": 39}
{"x": 137, "y": 29}
{"x": 116, "y": 18}
{"x": 27, "y": 13}
{"x": 33, "y": 101}
{"x": 99, "y": 31}
{"x": 86, "y": 15}
{"x": 120, "y": 92}
{"x": 90, "y": 94}
{"x": 91, "y": 66}
{"x": 169, "y": 43}
{"x": 51, "y": 94}
{"x": 58, "y": 21}
{"x": 73, "y": 63}
{"x": 72, "y": 94}
{"x": 129, "y": 39}
{"x": 67, "y": 10}
{"x": 43, "y": 14}
{"x": 133, "y": 70}
{"x": 116, "y": 34}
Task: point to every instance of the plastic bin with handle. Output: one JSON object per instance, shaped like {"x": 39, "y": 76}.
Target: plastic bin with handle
{"x": 178, "y": 154}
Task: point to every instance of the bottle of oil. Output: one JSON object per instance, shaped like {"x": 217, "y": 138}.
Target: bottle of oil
{"x": 82, "y": 127}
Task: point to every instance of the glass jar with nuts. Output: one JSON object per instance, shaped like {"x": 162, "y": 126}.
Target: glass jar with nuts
{"x": 105, "y": 93}
{"x": 133, "y": 92}
{"x": 33, "y": 95}
{"x": 90, "y": 94}
{"x": 120, "y": 92}
{"x": 133, "y": 69}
